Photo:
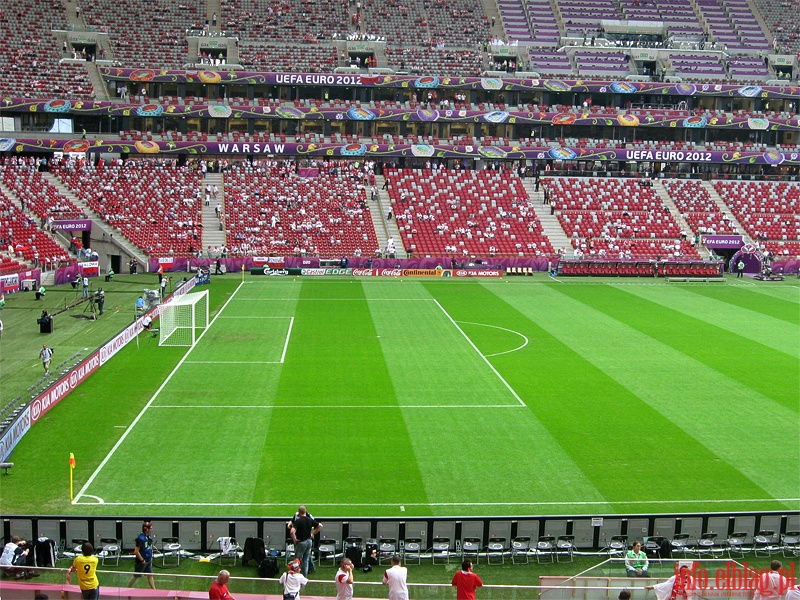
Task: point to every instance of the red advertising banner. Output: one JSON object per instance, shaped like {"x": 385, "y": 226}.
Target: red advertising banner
{"x": 54, "y": 394}
{"x": 276, "y": 262}
{"x": 377, "y": 272}
{"x": 90, "y": 269}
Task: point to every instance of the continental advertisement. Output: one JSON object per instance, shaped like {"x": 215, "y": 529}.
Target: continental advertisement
{"x": 426, "y": 273}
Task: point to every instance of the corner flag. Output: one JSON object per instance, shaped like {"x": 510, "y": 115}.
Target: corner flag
{"x": 71, "y": 467}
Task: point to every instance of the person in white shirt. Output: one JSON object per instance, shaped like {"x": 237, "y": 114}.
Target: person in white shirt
{"x": 395, "y": 577}
{"x": 344, "y": 580}
{"x": 292, "y": 581}
{"x": 772, "y": 585}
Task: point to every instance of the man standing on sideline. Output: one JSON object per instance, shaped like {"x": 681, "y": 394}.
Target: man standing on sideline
{"x": 46, "y": 354}
{"x": 740, "y": 269}
{"x": 219, "y": 587}
{"x": 85, "y": 287}
{"x": 86, "y": 566}
{"x": 144, "y": 556}
{"x": 303, "y": 527}
{"x": 344, "y": 580}
{"x": 395, "y": 577}
{"x": 466, "y": 582}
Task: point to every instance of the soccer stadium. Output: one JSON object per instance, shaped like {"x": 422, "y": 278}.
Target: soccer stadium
{"x": 512, "y": 282}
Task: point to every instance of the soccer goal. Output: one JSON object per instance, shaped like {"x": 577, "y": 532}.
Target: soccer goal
{"x": 183, "y": 320}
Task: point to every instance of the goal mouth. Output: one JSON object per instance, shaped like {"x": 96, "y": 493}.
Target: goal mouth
{"x": 183, "y": 320}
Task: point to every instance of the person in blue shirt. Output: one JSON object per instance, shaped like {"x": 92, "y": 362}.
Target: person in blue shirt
{"x": 140, "y": 304}
{"x": 144, "y": 555}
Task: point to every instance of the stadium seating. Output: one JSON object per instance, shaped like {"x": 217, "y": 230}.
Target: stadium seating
{"x": 325, "y": 215}
{"x": 151, "y": 204}
{"x": 617, "y": 218}
{"x": 697, "y": 207}
{"x": 43, "y": 199}
{"x": 23, "y": 240}
{"x": 151, "y": 36}
{"x": 769, "y": 212}
{"x": 464, "y": 213}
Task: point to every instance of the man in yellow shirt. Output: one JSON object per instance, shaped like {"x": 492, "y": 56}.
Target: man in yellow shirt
{"x": 86, "y": 566}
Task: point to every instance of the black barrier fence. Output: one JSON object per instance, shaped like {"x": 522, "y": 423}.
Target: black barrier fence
{"x": 199, "y": 534}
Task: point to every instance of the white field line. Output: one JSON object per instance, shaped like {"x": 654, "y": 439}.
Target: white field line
{"x": 476, "y": 504}
{"x": 337, "y": 300}
{"x": 150, "y": 402}
{"x": 503, "y": 329}
{"x": 486, "y": 360}
{"x": 232, "y": 362}
{"x": 286, "y": 344}
{"x": 354, "y": 406}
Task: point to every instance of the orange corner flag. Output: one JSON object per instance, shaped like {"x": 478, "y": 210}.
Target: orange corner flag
{"x": 71, "y": 460}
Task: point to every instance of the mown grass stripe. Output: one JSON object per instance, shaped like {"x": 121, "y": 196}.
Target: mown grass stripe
{"x": 334, "y": 351}
{"x": 763, "y": 329}
{"x": 749, "y": 298}
{"x": 725, "y": 419}
{"x": 772, "y": 374}
{"x": 459, "y": 452}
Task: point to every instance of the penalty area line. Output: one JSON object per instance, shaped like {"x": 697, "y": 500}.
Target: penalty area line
{"x": 149, "y": 403}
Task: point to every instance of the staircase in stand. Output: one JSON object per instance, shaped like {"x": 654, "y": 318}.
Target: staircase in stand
{"x": 384, "y": 228}
{"x": 663, "y": 194}
{"x": 214, "y": 230}
{"x": 550, "y": 225}
{"x": 725, "y": 209}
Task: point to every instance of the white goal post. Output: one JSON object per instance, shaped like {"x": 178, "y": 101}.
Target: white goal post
{"x": 183, "y": 320}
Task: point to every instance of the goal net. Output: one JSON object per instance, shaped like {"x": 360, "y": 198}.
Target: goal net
{"x": 183, "y": 320}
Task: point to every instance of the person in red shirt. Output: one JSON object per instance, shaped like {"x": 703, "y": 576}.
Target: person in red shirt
{"x": 219, "y": 588}
{"x": 465, "y": 582}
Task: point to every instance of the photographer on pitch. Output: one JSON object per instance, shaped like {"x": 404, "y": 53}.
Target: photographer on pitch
{"x": 100, "y": 300}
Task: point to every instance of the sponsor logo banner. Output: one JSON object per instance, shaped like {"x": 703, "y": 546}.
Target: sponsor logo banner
{"x": 166, "y": 262}
{"x": 274, "y": 272}
{"x": 14, "y": 433}
{"x": 73, "y": 225}
{"x": 477, "y": 273}
{"x": 327, "y": 271}
{"x": 723, "y": 241}
{"x": 276, "y": 262}
{"x": 424, "y": 272}
{"x": 63, "y": 386}
{"x": 10, "y": 283}
{"x": 377, "y": 272}
{"x": 90, "y": 269}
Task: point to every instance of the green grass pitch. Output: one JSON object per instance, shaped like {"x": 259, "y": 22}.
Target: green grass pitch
{"x": 419, "y": 397}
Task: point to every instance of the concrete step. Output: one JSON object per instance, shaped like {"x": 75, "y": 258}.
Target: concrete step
{"x": 550, "y": 225}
